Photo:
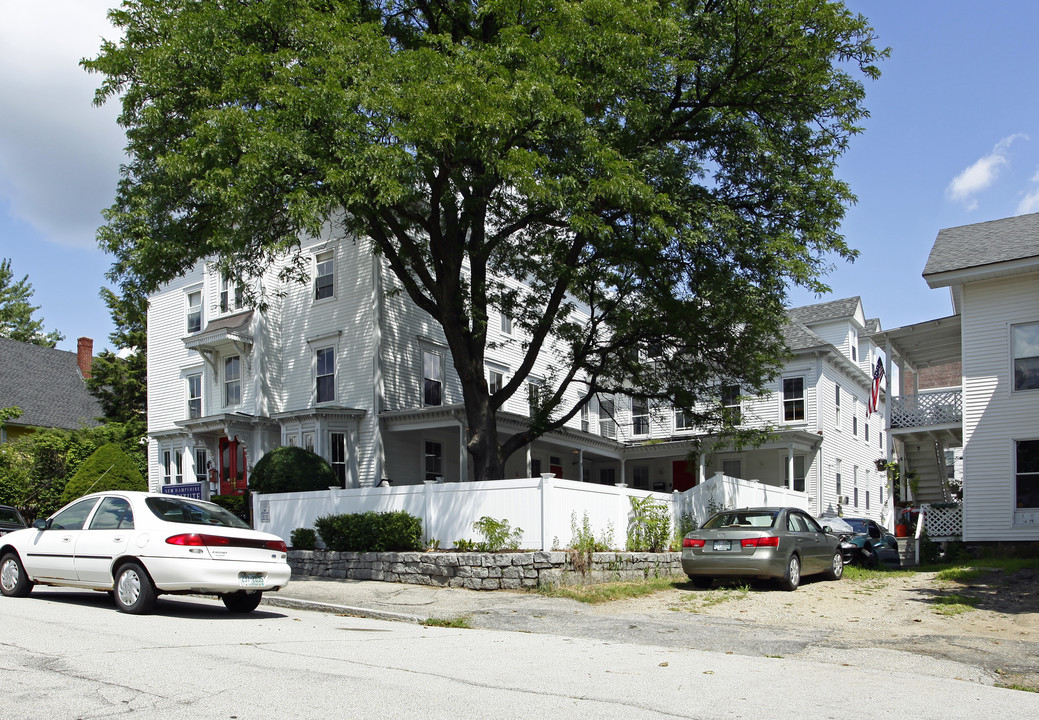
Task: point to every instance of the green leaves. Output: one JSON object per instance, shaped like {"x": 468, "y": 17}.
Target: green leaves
{"x": 667, "y": 167}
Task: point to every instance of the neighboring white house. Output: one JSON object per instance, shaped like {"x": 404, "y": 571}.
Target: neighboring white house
{"x": 992, "y": 272}
{"x": 349, "y": 367}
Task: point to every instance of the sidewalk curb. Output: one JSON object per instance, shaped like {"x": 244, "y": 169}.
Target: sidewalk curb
{"x": 296, "y": 604}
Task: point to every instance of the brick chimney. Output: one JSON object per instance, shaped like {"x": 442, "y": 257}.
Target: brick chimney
{"x": 85, "y": 355}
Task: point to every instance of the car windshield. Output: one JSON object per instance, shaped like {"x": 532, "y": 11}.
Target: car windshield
{"x": 857, "y": 524}
{"x": 10, "y": 515}
{"x": 743, "y": 519}
{"x": 181, "y": 510}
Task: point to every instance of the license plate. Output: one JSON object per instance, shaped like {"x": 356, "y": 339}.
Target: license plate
{"x": 250, "y": 580}
{"x": 723, "y": 545}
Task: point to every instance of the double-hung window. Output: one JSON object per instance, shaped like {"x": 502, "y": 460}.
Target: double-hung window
{"x": 1026, "y": 356}
{"x": 506, "y": 324}
{"x": 731, "y": 404}
{"x": 324, "y": 275}
{"x": 837, "y": 464}
{"x": 195, "y": 311}
{"x": 195, "y": 395}
{"x": 495, "y": 381}
{"x": 607, "y": 418}
{"x": 201, "y": 465}
{"x": 799, "y": 473}
{"x": 837, "y": 406}
{"x": 338, "y": 456}
{"x": 434, "y": 461}
{"x": 232, "y": 381}
{"x": 432, "y": 378}
{"x": 231, "y": 295}
{"x": 793, "y": 399}
{"x": 326, "y": 375}
{"x": 639, "y": 416}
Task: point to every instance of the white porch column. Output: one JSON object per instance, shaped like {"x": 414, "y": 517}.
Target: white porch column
{"x": 790, "y": 468}
{"x": 701, "y": 463}
{"x": 547, "y": 483}
{"x": 580, "y": 466}
{"x": 529, "y": 471}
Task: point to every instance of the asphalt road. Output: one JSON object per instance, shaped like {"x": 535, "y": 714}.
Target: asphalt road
{"x": 68, "y": 654}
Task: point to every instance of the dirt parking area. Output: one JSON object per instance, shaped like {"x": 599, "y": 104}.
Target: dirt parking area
{"x": 991, "y": 621}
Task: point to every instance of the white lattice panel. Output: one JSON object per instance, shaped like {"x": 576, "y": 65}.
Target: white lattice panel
{"x": 940, "y": 408}
{"x": 943, "y": 522}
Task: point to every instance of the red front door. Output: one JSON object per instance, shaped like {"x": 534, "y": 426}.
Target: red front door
{"x": 683, "y": 475}
{"x": 233, "y": 478}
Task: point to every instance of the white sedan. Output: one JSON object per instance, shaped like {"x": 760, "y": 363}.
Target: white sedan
{"x": 139, "y": 545}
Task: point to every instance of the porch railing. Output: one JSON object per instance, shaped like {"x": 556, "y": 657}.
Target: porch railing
{"x": 943, "y": 407}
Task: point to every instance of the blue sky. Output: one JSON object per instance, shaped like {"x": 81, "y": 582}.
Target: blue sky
{"x": 952, "y": 140}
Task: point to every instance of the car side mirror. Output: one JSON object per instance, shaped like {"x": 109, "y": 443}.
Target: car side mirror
{"x": 41, "y": 524}
{"x": 827, "y": 529}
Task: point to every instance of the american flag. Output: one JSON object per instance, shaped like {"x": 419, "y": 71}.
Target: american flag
{"x": 874, "y": 393}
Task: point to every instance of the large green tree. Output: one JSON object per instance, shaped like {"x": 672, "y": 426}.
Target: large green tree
{"x": 16, "y": 311}
{"x": 665, "y": 169}
{"x": 119, "y": 380}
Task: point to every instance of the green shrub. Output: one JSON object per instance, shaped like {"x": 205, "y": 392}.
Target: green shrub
{"x": 370, "y": 532}
{"x": 497, "y": 535}
{"x": 303, "y": 539}
{"x": 107, "y": 468}
{"x": 649, "y": 526}
{"x": 236, "y": 504}
{"x": 291, "y": 469}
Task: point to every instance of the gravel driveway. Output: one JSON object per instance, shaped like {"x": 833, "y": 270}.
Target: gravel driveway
{"x": 892, "y": 621}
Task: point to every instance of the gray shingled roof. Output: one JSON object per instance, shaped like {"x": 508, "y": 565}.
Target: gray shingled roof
{"x": 986, "y": 243}
{"x": 821, "y": 312}
{"x": 798, "y": 337}
{"x": 46, "y": 384}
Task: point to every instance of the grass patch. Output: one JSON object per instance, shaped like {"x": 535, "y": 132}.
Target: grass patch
{"x": 458, "y": 622}
{"x": 695, "y": 602}
{"x": 857, "y": 572}
{"x": 954, "y": 604}
{"x": 609, "y": 592}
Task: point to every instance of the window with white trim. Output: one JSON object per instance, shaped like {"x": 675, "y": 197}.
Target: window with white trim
{"x": 1026, "y": 468}
{"x": 535, "y": 395}
{"x": 680, "y": 420}
{"x": 585, "y": 417}
{"x": 732, "y": 468}
{"x": 731, "y": 404}
{"x": 793, "y": 399}
{"x": 837, "y": 469}
{"x": 194, "y": 395}
{"x": 640, "y": 477}
{"x": 324, "y": 275}
{"x": 837, "y": 406}
{"x": 639, "y": 416}
{"x": 495, "y": 381}
{"x": 434, "y": 461}
{"x": 232, "y": 296}
{"x": 337, "y": 441}
{"x": 201, "y": 465}
{"x": 432, "y": 378}
{"x": 308, "y": 441}
{"x": 194, "y": 300}
{"x": 799, "y": 473}
{"x": 326, "y": 374}
{"x": 607, "y": 418}
{"x": 167, "y": 466}
{"x": 232, "y": 381}
{"x": 1025, "y": 341}
{"x": 506, "y": 324}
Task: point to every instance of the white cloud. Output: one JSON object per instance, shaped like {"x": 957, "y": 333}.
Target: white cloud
{"x": 981, "y": 174}
{"x": 59, "y": 155}
{"x": 1030, "y": 202}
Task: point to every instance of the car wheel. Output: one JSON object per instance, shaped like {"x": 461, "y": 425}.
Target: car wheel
{"x": 792, "y": 578}
{"x": 13, "y": 580}
{"x": 134, "y": 591}
{"x": 241, "y": 601}
{"x": 703, "y": 582}
{"x": 836, "y": 571}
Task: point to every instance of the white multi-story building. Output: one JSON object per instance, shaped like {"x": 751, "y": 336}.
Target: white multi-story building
{"x": 348, "y": 366}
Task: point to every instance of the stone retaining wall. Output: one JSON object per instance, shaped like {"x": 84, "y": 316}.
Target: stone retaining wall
{"x": 485, "y": 571}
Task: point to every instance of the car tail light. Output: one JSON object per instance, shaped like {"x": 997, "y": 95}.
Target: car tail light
{"x": 770, "y": 541}
{"x": 693, "y": 542}
{"x": 202, "y": 540}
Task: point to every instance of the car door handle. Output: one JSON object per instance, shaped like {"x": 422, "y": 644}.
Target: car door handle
{"x": 117, "y": 539}
{"x": 66, "y": 538}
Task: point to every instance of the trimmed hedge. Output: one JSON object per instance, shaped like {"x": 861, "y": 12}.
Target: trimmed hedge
{"x": 396, "y": 531}
{"x": 291, "y": 469}
{"x": 107, "y": 468}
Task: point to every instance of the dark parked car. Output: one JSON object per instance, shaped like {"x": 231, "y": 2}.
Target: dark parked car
{"x": 10, "y": 520}
{"x": 777, "y": 543}
{"x": 864, "y": 542}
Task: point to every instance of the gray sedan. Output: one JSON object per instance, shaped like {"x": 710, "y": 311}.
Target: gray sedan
{"x": 776, "y": 543}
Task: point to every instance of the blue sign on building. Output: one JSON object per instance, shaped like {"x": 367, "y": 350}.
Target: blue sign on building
{"x": 192, "y": 490}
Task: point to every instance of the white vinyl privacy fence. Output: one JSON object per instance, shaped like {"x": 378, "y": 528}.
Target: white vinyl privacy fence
{"x": 545, "y": 508}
